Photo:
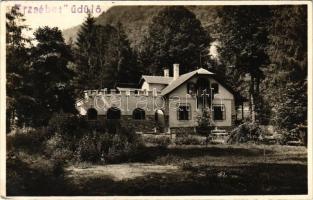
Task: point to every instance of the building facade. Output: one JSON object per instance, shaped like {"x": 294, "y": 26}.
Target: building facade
{"x": 165, "y": 103}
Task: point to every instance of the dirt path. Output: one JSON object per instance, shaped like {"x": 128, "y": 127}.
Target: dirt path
{"x": 121, "y": 171}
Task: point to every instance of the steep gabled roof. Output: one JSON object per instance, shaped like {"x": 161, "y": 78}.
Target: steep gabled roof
{"x": 157, "y": 79}
{"x": 183, "y": 78}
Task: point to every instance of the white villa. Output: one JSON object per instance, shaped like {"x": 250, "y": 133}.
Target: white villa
{"x": 173, "y": 101}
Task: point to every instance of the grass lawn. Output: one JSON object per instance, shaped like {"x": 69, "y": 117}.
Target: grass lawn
{"x": 196, "y": 170}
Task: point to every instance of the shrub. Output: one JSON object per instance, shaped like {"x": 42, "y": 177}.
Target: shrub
{"x": 31, "y": 141}
{"x": 86, "y": 150}
{"x": 108, "y": 147}
{"x": 205, "y": 123}
{"x": 246, "y": 132}
{"x": 33, "y": 175}
{"x": 69, "y": 125}
{"x": 90, "y": 141}
{"x": 58, "y": 149}
{"x": 190, "y": 140}
{"x": 161, "y": 141}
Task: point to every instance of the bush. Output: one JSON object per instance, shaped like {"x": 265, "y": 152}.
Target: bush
{"x": 158, "y": 140}
{"x": 69, "y": 125}
{"x": 190, "y": 140}
{"x": 205, "y": 123}
{"x": 33, "y": 175}
{"x": 58, "y": 149}
{"x": 31, "y": 141}
{"x": 107, "y": 147}
{"x": 90, "y": 141}
{"x": 246, "y": 132}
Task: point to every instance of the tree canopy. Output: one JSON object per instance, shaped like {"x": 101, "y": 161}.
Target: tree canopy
{"x": 103, "y": 56}
{"x": 175, "y": 35}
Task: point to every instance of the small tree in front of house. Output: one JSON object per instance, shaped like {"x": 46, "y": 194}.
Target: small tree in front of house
{"x": 205, "y": 122}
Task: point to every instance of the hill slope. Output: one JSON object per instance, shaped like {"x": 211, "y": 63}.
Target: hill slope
{"x": 135, "y": 20}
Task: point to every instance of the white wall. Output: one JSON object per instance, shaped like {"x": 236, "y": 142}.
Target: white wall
{"x": 223, "y": 96}
{"x": 150, "y": 86}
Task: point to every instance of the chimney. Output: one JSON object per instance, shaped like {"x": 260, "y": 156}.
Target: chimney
{"x": 166, "y": 72}
{"x": 175, "y": 71}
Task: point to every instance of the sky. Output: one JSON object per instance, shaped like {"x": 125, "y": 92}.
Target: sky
{"x": 57, "y": 14}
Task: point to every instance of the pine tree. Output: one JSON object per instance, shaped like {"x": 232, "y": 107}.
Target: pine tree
{"x": 127, "y": 68}
{"x": 85, "y": 59}
{"x": 175, "y": 35}
{"x": 16, "y": 57}
{"x": 108, "y": 60}
{"x": 48, "y": 78}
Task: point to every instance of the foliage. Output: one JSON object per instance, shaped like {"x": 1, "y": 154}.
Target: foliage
{"x": 16, "y": 57}
{"x": 103, "y": 56}
{"x": 43, "y": 67}
{"x": 33, "y": 175}
{"x": 245, "y": 132}
{"x": 106, "y": 147}
{"x": 49, "y": 74}
{"x": 76, "y": 139}
{"x": 162, "y": 141}
{"x": 285, "y": 82}
{"x": 243, "y": 38}
{"x": 58, "y": 148}
{"x": 31, "y": 141}
{"x": 190, "y": 140}
{"x": 205, "y": 123}
{"x": 175, "y": 35}
{"x": 136, "y": 23}
{"x": 69, "y": 126}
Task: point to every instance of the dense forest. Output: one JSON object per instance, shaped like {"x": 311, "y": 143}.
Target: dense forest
{"x": 262, "y": 53}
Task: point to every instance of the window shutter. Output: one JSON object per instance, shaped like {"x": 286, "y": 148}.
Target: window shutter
{"x": 224, "y": 112}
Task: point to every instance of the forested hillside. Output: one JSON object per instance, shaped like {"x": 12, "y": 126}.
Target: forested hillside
{"x": 135, "y": 20}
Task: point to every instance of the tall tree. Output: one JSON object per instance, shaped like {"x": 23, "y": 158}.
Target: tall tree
{"x": 48, "y": 77}
{"x": 16, "y": 57}
{"x": 104, "y": 56}
{"x": 243, "y": 38}
{"x": 286, "y": 77}
{"x": 85, "y": 55}
{"x": 127, "y": 68}
{"x": 175, "y": 35}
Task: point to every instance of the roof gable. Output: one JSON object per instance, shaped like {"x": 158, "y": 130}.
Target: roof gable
{"x": 183, "y": 78}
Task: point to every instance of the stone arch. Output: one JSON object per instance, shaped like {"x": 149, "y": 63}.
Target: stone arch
{"x": 139, "y": 113}
{"x": 92, "y": 114}
{"x": 114, "y": 113}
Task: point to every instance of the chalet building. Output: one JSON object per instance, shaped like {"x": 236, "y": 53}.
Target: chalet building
{"x": 166, "y": 103}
